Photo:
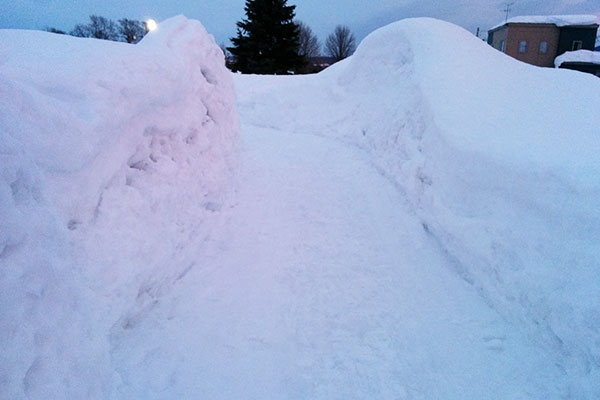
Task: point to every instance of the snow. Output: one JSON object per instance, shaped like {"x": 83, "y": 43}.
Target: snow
{"x": 113, "y": 155}
{"x": 558, "y": 20}
{"x": 579, "y": 56}
{"x": 398, "y": 226}
{"x": 503, "y": 178}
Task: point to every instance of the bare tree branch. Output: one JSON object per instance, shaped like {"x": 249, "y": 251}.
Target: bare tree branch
{"x": 309, "y": 43}
{"x": 341, "y": 43}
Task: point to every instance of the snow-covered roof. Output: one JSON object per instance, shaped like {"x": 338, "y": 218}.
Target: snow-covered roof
{"x": 581, "y": 56}
{"x": 558, "y": 20}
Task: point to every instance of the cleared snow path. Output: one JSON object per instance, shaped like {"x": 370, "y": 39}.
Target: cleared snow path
{"x": 322, "y": 285}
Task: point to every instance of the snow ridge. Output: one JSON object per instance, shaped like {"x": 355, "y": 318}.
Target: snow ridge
{"x": 403, "y": 226}
{"x": 504, "y": 181}
{"x": 113, "y": 156}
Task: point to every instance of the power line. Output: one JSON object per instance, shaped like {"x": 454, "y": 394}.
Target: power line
{"x": 508, "y": 9}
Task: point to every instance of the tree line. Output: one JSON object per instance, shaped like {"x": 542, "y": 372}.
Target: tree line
{"x": 270, "y": 41}
{"x": 124, "y": 30}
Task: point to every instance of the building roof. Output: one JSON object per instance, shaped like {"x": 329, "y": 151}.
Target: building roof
{"x": 579, "y": 56}
{"x": 558, "y": 20}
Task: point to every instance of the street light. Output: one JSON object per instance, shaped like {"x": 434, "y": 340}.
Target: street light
{"x": 151, "y": 25}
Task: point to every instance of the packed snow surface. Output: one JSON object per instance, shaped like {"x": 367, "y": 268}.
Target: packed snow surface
{"x": 579, "y": 56}
{"x": 558, "y": 20}
{"x": 400, "y": 226}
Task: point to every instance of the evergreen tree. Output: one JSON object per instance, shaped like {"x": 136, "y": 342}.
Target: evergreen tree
{"x": 267, "y": 40}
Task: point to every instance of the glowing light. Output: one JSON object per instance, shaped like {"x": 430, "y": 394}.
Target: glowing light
{"x": 151, "y": 25}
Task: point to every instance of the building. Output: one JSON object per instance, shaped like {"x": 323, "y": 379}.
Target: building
{"x": 538, "y": 40}
{"x": 580, "y": 60}
{"x": 317, "y": 64}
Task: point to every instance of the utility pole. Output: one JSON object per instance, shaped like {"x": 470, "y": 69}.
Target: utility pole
{"x": 508, "y": 9}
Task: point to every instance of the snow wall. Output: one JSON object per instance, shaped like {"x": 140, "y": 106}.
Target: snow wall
{"x": 498, "y": 158}
{"x": 112, "y": 156}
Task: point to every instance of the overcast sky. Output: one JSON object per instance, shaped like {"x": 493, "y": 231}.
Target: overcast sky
{"x": 219, "y": 16}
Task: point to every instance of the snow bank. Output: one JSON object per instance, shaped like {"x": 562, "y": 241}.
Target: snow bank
{"x": 498, "y": 158}
{"x": 579, "y": 56}
{"x": 112, "y": 156}
{"x": 558, "y": 20}
{"x": 504, "y": 172}
{"x": 505, "y": 179}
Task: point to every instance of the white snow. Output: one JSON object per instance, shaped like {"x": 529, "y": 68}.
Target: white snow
{"x": 558, "y": 20}
{"x": 579, "y": 56}
{"x": 503, "y": 176}
{"x": 113, "y": 156}
{"x": 419, "y": 221}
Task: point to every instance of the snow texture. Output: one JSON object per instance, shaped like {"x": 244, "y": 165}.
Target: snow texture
{"x": 399, "y": 226}
{"x": 112, "y": 156}
{"x": 503, "y": 176}
{"x": 558, "y": 20}
{"x": 579, "y": 56}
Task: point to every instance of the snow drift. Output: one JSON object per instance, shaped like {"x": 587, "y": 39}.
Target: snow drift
{"x": 499, "y": 160}
{"x": 112, "y": 157}
{"x": 117, "y": 163}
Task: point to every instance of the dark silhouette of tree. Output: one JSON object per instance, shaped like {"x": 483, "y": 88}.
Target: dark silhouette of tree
{"x": 80, "y": 30}
{"x": 267, "y": 40}
{"x": 228, "y": 55}
{"x": 309, "y": 48}
{"x": 309, "y": 44}
{"x": 54, "y": 30}
{"x": 341, "y": 43}
{"x": 99, "y": 28}
{"x": 131, "y": 30}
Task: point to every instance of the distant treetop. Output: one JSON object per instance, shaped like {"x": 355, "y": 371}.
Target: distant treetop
{"x": 267, "y": 40}
{"x": 127, "y": 30}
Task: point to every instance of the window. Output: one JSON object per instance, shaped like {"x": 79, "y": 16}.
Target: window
{"x": 523, "y": 46}
{"x": 543, "y": 47}
{"x": 502, "y": 44}
{"x": 577, "y": 45}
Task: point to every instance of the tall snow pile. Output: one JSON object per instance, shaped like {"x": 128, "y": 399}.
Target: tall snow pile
{"x": 498, "y": 158}
{"x": 112, "y": 156}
